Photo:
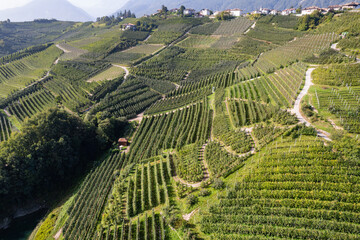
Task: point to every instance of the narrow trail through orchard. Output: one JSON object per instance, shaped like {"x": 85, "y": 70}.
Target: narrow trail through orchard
{"x": 205, "y": 171}
{"x": 297, "y": 106}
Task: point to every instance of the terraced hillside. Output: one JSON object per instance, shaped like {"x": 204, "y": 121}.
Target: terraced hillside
{"x": 229, "y": 129}
{"x": 293, "y": 191}
{"x": 19, "y": 74}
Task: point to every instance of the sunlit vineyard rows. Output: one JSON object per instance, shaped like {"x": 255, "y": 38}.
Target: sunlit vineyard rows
{"x": 287, "y": 197}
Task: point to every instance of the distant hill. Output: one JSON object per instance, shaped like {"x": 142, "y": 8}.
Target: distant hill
{"x": 58, "y": 9}
{"x": 141, "y": 7}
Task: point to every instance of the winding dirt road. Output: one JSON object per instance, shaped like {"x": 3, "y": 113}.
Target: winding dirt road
{"x": 334, "y": 46}
{"x": 205, "y": 171}
{"x": 127, "y": 72}
{"x": 187, "y": 217}
{"x": 62, "y": 48}
{"x": 297, "y": 106}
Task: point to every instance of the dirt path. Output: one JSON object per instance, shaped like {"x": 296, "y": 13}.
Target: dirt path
{"x": 252, "y": 27}
{"x": 147, "y": 38}
{"x": 43, "y": 78}
{"x": 334, "y": 125}
{"x": 205, "y": 171}
{"x": 62, "y": 48}
{"x": 187, "y": 217}
{"x": 177, "y": 86}
{"x": 334, "y": 46}
{"x": 58, "y": 234}
{"x": 228, "y": 149}
{"x": 7, "y": 112}
{"x": 297, "y": 106}
{"x": 139, "y": 118}
{"x": 127, "y": 72}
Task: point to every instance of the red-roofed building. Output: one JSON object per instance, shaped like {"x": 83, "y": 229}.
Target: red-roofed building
{"x": 123, "y": 142}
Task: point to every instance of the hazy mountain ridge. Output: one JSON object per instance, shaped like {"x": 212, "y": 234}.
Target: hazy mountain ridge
{"x": 58, "y": 9}
{"x": 148, "y": 6}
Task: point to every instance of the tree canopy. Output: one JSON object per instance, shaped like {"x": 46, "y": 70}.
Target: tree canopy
{"x": 52, "y": 148}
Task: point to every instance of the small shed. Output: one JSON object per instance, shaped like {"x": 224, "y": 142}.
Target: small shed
{"x": 123, "y": 142}
{"x": 344, "y": 34}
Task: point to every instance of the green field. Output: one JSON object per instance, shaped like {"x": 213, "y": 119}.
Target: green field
{"x": 70, "y": 52}
{"x": 109, "y": 74}
{"x": 198, "y": 41}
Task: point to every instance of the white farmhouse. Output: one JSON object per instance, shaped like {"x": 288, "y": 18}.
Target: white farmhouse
{"x": 129, "y": 26}
{"x": 236, "y": 12}
{"x": 336, "y": 7}
{"x": 310, "y": 10}
{"x": 274, "y": 12}
{"x": 288, "y": 11}
{"x": 189, "y": 11}
{"x": 255, "y": 12}
{"x": 205, "y": 12}
{"x": 265, "y": 11}
{"x": 216, "y": 13}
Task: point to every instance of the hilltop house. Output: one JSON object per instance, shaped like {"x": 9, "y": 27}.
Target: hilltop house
{"x": 310, "y": 10}
{"x": 189, "y": 11}
{"x": 205, "y": 12}
{"x": 265, "y": 11}
{"x": 288, "y": 11}
{"x": 351, "y": 5}
{"x": 236, "y": 12}
{"x": 129, "y": 26}
{"x": 275, "y": 12}
{"x": 255, "y": 12}
{"x": 336, "y": 7}
{"x": 325, "y": 10}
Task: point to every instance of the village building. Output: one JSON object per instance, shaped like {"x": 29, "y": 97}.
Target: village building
{"x": 325, "y": 10}
{"x": 336, "y": 7}
{"x": 236, "y": 12}
{"x": 216, "y": 13}
{"x": 310, "y": 10}
{"x": 275, "y": 12}
{"x": 265, "y": 11}
{"x": 350, "y": 6}
{"x": 205, "y": 12}
{"x": 255, "y": 12}
{"x": 129, "y": 26}
{"x": 288, "y": 11}
{"x": 189, "y": 11}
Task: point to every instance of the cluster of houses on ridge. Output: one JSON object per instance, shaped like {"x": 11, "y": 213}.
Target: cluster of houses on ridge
{"x": 308, "y": 10}
{"x": 265, "y": 11}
